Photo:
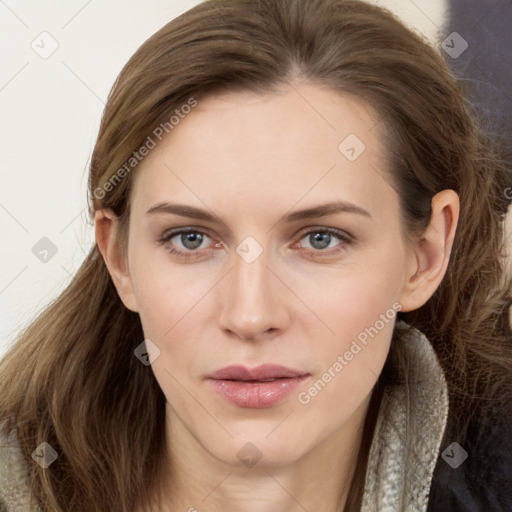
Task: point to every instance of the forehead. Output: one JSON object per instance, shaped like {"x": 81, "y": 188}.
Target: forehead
{"x": 301, "y": 143}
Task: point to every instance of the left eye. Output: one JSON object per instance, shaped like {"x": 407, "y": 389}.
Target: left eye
{"x": 321, "y": 238}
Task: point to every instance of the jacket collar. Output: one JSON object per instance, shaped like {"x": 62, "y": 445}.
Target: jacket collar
{"x": 396, "y": 478}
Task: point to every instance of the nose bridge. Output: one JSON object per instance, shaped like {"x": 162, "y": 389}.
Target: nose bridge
{"x": 251, "y": 279}
{"x": 251, "y": 304}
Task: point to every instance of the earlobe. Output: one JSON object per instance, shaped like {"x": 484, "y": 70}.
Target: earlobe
{"x": 106, "y": 223}
{"x": 430, "y": 256}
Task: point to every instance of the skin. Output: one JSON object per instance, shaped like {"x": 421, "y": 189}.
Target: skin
{"x": 250, "y": 160}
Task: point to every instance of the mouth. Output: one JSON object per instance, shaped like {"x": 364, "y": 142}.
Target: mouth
{"x": 258, "y": 388}
{"x": 265, "y": 372}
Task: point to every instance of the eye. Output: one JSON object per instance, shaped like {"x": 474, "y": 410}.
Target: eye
{"x": 187, "y": 242}
{"x": 190, "y": 239}
{"x": 192, "y": 243}
{"x": 325, "y": 238}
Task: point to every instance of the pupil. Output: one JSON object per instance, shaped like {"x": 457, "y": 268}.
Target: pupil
{"x": 323, "y": 238}
{"x": 191, "y": 240}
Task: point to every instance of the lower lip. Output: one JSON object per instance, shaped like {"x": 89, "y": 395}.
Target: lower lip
{"x": 256, "y": 395}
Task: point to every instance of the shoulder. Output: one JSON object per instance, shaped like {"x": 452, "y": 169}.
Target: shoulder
{"x": 14, "y": 490}
{"x": 483, "y": 481}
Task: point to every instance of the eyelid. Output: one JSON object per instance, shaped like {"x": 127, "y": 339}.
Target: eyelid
{"x": 340, "y": 233}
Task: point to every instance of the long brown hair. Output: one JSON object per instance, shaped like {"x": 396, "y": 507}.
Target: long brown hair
{"x": 71, "y": 379}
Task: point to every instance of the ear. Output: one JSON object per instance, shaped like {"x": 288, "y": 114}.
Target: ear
{"x": 431, "y": 253}
{"x": 106, "y": 225}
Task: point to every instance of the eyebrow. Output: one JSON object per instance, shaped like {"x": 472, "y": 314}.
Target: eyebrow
{"x": 308, "y": 213}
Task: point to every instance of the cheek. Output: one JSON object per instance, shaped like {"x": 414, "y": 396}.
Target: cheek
{"x": 355, "y": 295}
{"x": 362, "y": 315}
{"x": 168, "y": 305}
{"x": 359, "y": 305}
{"x": 164, "y": 292}
{"x": 173, "y": 304}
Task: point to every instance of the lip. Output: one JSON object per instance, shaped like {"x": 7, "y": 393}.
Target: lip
{"x": 251, "y": 387}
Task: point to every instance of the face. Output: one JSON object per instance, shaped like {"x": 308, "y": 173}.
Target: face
{"x": 252, "y": 281}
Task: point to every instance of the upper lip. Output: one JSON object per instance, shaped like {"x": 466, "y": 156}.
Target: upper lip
{"x": 265, "y": 371}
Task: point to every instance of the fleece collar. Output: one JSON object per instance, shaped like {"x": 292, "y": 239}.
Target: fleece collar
{"x": 397, "y": 479}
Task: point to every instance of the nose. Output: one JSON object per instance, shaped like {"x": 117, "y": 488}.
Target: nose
{"x": 253, "y": 302}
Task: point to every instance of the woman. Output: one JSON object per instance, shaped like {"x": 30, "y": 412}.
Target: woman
{"x": 297, "y": 297}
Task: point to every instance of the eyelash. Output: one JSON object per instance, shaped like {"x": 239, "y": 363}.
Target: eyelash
{"x": 345, "y": 238}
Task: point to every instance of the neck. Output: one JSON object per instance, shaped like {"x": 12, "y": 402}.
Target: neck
{"x": 319, "y": 480}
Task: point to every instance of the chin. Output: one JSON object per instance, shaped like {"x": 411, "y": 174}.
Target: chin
{"x": 258, "y": 450}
